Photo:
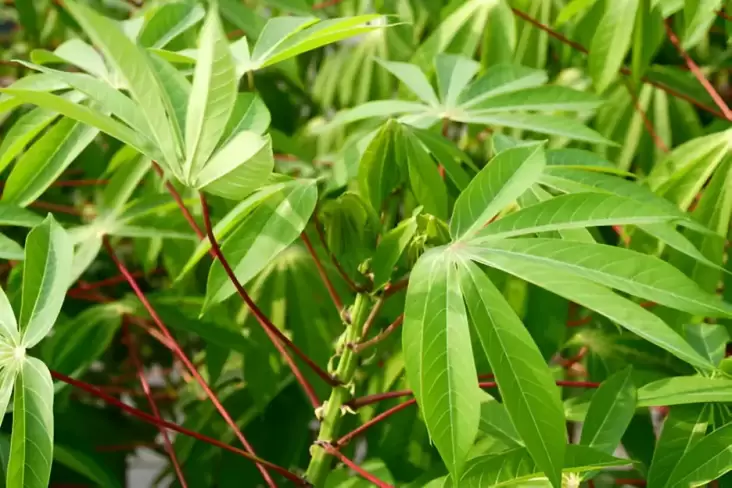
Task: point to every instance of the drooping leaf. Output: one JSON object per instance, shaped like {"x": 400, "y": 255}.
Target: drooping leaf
{"x": 31, "y": 445}
{"x": 610, "y": 412}
{"x": 390, "y": 249}
{"x": 48, "y": 254}
{"x": 424, "y": 178}
{"x": 378, "y": 173}
{"x": 438, "y": 358}
{"x": 525, "y": 382}
{"x": 502, "y": 181}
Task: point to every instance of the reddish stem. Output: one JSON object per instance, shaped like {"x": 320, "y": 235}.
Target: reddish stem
{"x": 696, "y": 71}
{"x": 357, "y": 348}
{"x": 146, "y": 417}
{"x": 348, "y": 437}
{"x": 183, "y": 358}
{"x": 355, "y": 467}
{"x": 114, "y": 280}
{"x": 54, "y": 207}
{"x": 132, "y": 347}
{"x": 275, "y": 335}
{"x": 323, "y": 274}
{"x": 327, "y": 3}
{"x": 724, "y": 15}
{"x": 393, "y": 288}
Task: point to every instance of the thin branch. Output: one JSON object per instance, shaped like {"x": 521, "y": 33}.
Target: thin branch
{"x": 146, "y": 417}
{"x": 393, "y": 288}
{"x": 55, "y": 207}
{"x": 323, "y": 274}
{"x": 357, "y": 348}
{"x": 328, "y": 448}
{"x": 183, "y": 358}
{"x": 724, "y": 15}
{"x": 151, "y": 401}
{"x": 321, "y": 236}
{"x": 579, "y": 47}
{"x": 275, "y": 335}
{"x": 696, "y": 71}
{"x": 360, "y": 430}
{"x": 369, "y": 399}
{"x": 326, "y": 3}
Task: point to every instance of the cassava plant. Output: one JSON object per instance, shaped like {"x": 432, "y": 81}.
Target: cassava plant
{"x": 419, "y": 243}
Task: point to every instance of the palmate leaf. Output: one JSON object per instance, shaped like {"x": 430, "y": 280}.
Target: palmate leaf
{"x": 266, "y": 232}
{"x": 594, "y": 297}
{"x": 133, "y": 65}
{"x": 77, "y": 53}
{"x": 524, "y": 380}
{"x": 438, "y": 357}
{"x": 611, "y": 410}
{"x": 615, "y": 267}
{"x": 46, "y": 271}
{"x": 513, "y": 467}
{"x": 684, "y": 426}
{"x": 413, "y": 78}
{"x": 168, "y": 22}
{"x": 453, "y": 75}
{"x": 501, "y": 182}
{"x": 31, "y": 445}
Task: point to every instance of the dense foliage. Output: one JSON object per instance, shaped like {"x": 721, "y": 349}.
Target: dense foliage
{"x": 462, "y": 243}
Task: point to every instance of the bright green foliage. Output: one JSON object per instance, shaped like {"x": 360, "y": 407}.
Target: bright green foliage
{"x": 463, "y": 243}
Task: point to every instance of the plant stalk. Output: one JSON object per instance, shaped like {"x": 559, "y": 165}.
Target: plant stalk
{"x": 333, "y": 409}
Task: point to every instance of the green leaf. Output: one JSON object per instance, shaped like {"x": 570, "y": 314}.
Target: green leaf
{"x": 250, "y": 114}
{"x": 414, "y": 79}
{"x": 496, "y": 422}
{"x": 341, "y": 477}
{"x": 424, "y": 178}
{"x": 524, "y": 380}
{"x": 176, "y": 93}
{"x": 25, "y": 129}
{"x": 77, "y": 53}
{"x": 88, "y": 116}
{"x": 543, "y": 124}
{"x": 549, "y": 98}
{"x": 499, "y": 80}
{"x": 48, "y": 254}
{"x": 390, "y": 249}
{"x": 31, "y": 445}
{"x": 378, "y": 173}
{"x": 9, "y": 249}
{"x": 212, "y": 97}
{"x": 595, "y": 297}
{"x": 275, "y": 32}
{"x": 498, "y": 184}
{"x": 307, "y": 37}
{"x": 453, "y": 75}
{"x": 698, "y": 18}
{"x": 17, "y": 216}
{"x": 168, "y": 22}
{"x": 7, "y": 381}
{"x": 133, "y": 66}
{"x": 611, "y": 41}
{"x": 516, "y": 467}
{"x": 85, "y": 465}
{"x": 265, "y": 233}
{"x": 684, "y": 426}
{"x": 44, "y": 162}
{"x": 575, "y": 211}
{"x": 8, "y": 325}
{"x": 28, "y": 18}
{"x": 238, "y": 168}
{"x": 438, "y": 357}
{"x": 681, "y": 390}
{"x": 611, "y": 410}
{"x": 615, "y": 267}
{"x": 705, "y": 461}
{"x": 375, "y": 108}
{"x": 230, "y": 222}
{"x": 709, "y": 339}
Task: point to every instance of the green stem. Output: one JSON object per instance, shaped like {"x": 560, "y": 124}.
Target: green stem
{"x": 320, "y": 461}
